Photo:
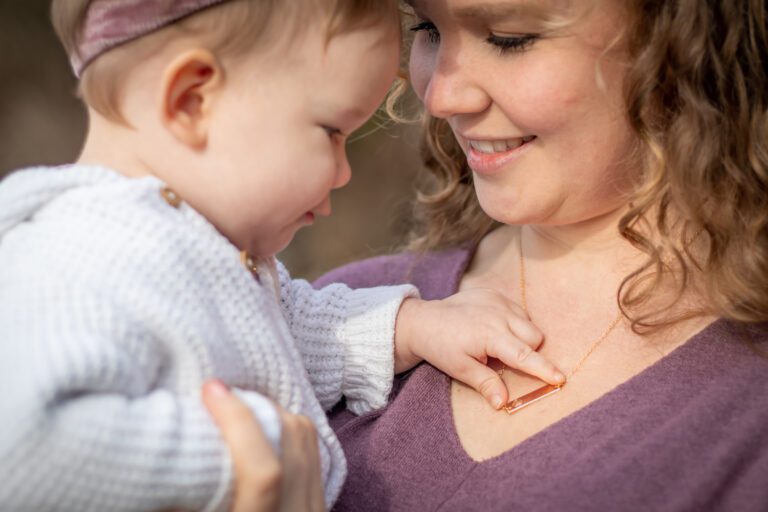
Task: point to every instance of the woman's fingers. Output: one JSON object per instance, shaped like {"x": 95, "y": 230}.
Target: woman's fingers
{"x": 266, "y": 482}
{"x": 301, "y": 459}
{"x": 258, "y": 471}
{"x": 311, "y": 454}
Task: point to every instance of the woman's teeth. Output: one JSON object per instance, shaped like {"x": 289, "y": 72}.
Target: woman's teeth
{"x": 499, "y": 146}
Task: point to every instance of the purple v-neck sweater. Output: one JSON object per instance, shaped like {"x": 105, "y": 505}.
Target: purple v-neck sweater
{"x": 689, "y": 433}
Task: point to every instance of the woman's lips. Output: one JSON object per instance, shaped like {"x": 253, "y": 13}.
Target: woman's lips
{"x": 489, "y": 157}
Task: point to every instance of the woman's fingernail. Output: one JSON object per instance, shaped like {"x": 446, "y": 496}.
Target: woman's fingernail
{"x": 496, "y": 401}
{"x": 217, "y": 388}
{"x": 559, "y": 377}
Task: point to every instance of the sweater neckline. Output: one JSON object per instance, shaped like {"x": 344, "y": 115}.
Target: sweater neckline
{"x": 653, "y": 373}
{"x": 602, "y": 403}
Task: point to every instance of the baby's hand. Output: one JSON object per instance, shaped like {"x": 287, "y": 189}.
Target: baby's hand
{"x": 458, "y": 334}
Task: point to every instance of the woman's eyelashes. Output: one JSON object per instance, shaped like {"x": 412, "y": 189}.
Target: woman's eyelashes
{"x": 429, "y": 28}
{"x": 517, "y": 43}
{"x": 504, "y": 44}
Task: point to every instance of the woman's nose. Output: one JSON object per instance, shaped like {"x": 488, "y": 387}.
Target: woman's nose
{"x": 453, "y": 88}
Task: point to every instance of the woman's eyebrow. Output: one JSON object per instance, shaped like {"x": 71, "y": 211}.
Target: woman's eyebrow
{"x": 495, "y": 11}
{"x": 491, "y": 11}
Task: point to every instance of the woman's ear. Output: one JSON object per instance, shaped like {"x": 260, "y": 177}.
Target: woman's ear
{"x": 189, "y": 83}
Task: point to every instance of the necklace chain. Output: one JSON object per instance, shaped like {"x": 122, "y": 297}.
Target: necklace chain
{"x": 536, "y": 395}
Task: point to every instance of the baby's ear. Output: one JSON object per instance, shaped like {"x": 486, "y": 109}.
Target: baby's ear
{"x": 189, "y": 84}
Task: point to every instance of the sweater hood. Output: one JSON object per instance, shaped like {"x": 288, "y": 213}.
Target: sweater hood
{"x": 24, "y": 193}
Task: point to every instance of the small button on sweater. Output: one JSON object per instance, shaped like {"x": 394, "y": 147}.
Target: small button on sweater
{"x": 115, "y": 307}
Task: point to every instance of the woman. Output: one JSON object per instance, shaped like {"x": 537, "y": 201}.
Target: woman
{"x": 605, "y": 164}
{"x": 618, "y": 155}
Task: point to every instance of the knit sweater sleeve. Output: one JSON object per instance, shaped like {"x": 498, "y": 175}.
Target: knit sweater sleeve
{"x": 346, "y": 338}
{"x": 87, "y": 427}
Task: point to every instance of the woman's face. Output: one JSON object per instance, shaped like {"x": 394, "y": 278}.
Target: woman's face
{"x": 537, "y": 109}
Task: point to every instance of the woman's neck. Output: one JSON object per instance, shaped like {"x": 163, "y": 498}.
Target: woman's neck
{"x": 594, "y": 239}
{"x": 576, "y": 269}
{"x": 596, "y": 243}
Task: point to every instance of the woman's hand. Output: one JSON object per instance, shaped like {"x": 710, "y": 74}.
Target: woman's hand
{"x": 460, "y": 333}
{"x": 264, "y": 481}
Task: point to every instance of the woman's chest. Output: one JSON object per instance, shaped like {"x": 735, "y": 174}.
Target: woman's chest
{"x": 484, "y": 432}
{"x": 630, "y": 450}
{"x": 592, "y": 369}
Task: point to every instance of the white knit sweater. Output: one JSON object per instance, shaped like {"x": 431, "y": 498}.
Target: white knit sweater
{"x": 115, "y": 307}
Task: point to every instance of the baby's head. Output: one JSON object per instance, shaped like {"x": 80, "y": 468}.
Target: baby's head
{"x": 241, "y": 106}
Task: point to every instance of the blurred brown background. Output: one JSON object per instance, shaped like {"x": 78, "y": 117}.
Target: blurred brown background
{"x": 42, "y": 122}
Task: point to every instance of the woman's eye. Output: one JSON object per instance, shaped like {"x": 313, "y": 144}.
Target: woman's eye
{"x": 512, "y": 43}
{"x": 433, "y": 36}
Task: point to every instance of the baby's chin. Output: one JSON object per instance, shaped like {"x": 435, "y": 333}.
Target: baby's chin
{"x": 273, "y": 246}
{"x": 267, "y": 241}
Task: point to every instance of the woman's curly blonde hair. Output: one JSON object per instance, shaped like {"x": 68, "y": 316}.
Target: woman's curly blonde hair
{"x": 696, "y": 95}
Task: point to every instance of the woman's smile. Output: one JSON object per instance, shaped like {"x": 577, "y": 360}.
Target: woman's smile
{"x": 485, "y": 156}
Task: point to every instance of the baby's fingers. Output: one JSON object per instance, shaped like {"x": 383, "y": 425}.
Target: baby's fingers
{"x": 485, "y": 381}
{"x": 525, "y": 331}
{"x": 522, "y": 357}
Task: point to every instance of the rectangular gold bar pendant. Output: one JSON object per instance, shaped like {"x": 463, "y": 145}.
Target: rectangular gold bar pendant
{"x": 529, "y": 398}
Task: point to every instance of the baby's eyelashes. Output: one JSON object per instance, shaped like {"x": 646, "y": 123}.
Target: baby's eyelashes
{"x": 331, "y": 131}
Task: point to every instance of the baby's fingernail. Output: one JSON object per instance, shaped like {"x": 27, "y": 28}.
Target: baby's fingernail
{"x": 496, "y": 401}
{"x": 217, "y": 388}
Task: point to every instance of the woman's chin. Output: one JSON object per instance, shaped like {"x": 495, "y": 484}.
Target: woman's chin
{"x": 514, "y": 211}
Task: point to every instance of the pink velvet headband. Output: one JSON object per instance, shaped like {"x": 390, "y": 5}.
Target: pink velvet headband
{"x": 110, "y": 23}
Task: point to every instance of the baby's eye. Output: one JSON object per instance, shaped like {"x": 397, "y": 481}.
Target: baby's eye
{"x": 331, "y": 131}
{"x": 433, "y": 35}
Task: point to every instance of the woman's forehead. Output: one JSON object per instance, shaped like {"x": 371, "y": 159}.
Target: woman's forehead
{"x": 491, "y": 9}
{"x": 548, "y": 16}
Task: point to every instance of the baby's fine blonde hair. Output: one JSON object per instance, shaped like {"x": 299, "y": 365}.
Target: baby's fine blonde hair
{"x": 228, "y": 28}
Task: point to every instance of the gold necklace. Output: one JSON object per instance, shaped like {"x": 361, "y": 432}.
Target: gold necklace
{"x": 548, "y": 389}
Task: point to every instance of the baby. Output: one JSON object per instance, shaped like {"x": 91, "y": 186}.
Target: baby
{"x": 217, "y": 130}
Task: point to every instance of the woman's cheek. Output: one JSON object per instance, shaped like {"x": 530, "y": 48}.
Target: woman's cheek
{"x": 543, "y": 101}
{"x": 420, "y": 69}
